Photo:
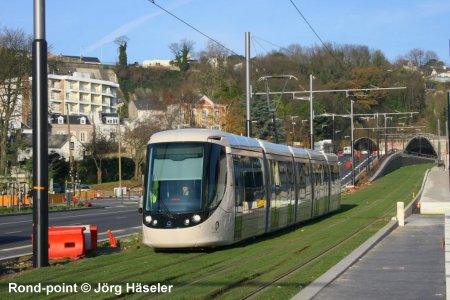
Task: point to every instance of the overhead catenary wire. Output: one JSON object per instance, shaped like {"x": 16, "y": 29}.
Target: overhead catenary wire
{"x": 268, "y": 42}
{"x": 192, "y": 27}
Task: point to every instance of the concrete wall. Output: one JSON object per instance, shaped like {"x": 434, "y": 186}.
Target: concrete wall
{"x": 398, "y": 160}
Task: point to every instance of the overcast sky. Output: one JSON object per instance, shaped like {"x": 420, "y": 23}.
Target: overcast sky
{"x": 90, "y": 27}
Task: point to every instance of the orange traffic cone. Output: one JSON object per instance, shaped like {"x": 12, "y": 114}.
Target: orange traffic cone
{"x": 112, "y": 239}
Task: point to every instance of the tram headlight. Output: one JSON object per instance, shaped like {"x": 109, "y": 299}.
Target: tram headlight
{"x": 186, "y": 222}
{"x": 148, "y": 219}
{"x": 196, "y": 218}
{"x": 155, "y": 222}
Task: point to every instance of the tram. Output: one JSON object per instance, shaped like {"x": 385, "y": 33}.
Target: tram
{"x": 206, "y": 188}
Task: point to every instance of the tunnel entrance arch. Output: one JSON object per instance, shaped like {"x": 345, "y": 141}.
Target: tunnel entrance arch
{"x": 365, "y": 144}
{"x": 420, "y": 146}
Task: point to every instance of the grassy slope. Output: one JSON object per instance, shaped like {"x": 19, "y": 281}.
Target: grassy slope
{"x": 234, "y": 271}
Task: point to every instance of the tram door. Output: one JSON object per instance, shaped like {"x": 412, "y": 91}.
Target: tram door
{"x": 250, "y": 203}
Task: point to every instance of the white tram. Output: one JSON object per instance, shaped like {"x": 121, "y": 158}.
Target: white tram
{"x": 208, "y": 188}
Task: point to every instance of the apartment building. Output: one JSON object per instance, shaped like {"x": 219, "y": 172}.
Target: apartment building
{"x": 80, "y": 94}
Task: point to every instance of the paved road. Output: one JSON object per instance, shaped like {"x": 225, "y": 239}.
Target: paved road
{"x": 120, "y": 216}
{"x": 360, "y": 164}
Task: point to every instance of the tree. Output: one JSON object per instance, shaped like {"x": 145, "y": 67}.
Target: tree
{"x": 122, "y": 42}
{"x": 182, "y": 53}
{"x": 136, "y": 139}
{"x": 15, "y": 68}
{"x": 417, "y": 56}
{"x": 233, "y": 120}
{"x": 99, "y": 149}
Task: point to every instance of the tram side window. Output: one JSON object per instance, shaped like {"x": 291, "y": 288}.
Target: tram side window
{"x": 249, "y": 179}
{"x": 274, "y": 180}
{"x": 253, "y": 179}
{"x": 287, "y": 180}
{"x": 216, "y": 176}
{"x": 301, "y": 179}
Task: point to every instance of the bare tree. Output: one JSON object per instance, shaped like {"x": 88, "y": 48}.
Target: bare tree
{"x": 15, "y": 68}
{"x": 100, "y": 147}
{"x": 136, "y": 139}
{"x": 417, "y": 56}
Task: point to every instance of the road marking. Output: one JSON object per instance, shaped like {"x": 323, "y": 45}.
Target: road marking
{"x": 118, "y": 218}
{"x": 75, "y": 216}
{"x": 114, "y": 231}
{"x": 15, "y": 248}
{"x": 11, "y": 232}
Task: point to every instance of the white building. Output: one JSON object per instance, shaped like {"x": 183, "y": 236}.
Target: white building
{"x": 159, "y": 63}
{"x": 81, "y": 95}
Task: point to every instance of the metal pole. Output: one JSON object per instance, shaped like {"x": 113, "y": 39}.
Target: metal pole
{"x": 448, "y": 129}
{"x": 351, "y": 129}
{"x": 275, "y": 128}
{"x": 120, "y": 160}
{"x": 72, "y": 182}
{"x": 378, "y": 139}
{"x": 446, "y": 143}
{"x": 247, "y": 82}
{"x": 311, "y": 111}
{"x": 385, "y": 134}
{"x": 334, "y": 138}
{"x": 40, "y": 138}
{"x": 439, "y": 139}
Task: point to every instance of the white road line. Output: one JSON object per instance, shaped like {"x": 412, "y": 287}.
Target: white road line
{"x": 113, "y": 231}
{"x": 16, "y": 248}
{"x": 11, "y": 232}
{"x": 70, "y": 217}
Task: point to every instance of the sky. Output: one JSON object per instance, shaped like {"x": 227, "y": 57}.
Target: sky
{"x": 89, "y": 27}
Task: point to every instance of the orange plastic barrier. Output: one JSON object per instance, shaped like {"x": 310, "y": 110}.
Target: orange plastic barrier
{"x": 65, "y": 242}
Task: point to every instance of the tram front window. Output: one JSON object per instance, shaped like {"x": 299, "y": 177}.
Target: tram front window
{"x": 175, "y": 181}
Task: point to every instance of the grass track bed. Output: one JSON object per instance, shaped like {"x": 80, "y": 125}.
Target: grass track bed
{"x": 234, "y": 272}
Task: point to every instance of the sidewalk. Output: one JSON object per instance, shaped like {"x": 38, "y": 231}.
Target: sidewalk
{"x": 408, "y": 263}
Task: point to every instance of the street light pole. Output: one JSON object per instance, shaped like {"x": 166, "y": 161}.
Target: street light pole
{"x": 40, "y": 138}
{"x": 311, "y": 111}
{"x": 247, "y": 83}
{"x": 352, "y": 137}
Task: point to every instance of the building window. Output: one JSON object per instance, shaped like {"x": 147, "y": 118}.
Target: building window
{"x": 83, "y": 121}
{"x": 60, "y": 120}
{"x": 204, "y": 114}
{"x": 83, "y": 136}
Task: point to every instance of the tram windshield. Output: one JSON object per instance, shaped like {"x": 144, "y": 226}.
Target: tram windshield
{"x": 185, "y": 177}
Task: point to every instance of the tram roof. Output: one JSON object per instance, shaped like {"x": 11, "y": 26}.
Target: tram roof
{"x": 316, "y": 155}
{"x": 272, "y": 148}
{"x": 205, "y": 135}
{"x": 299, "y": 152}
